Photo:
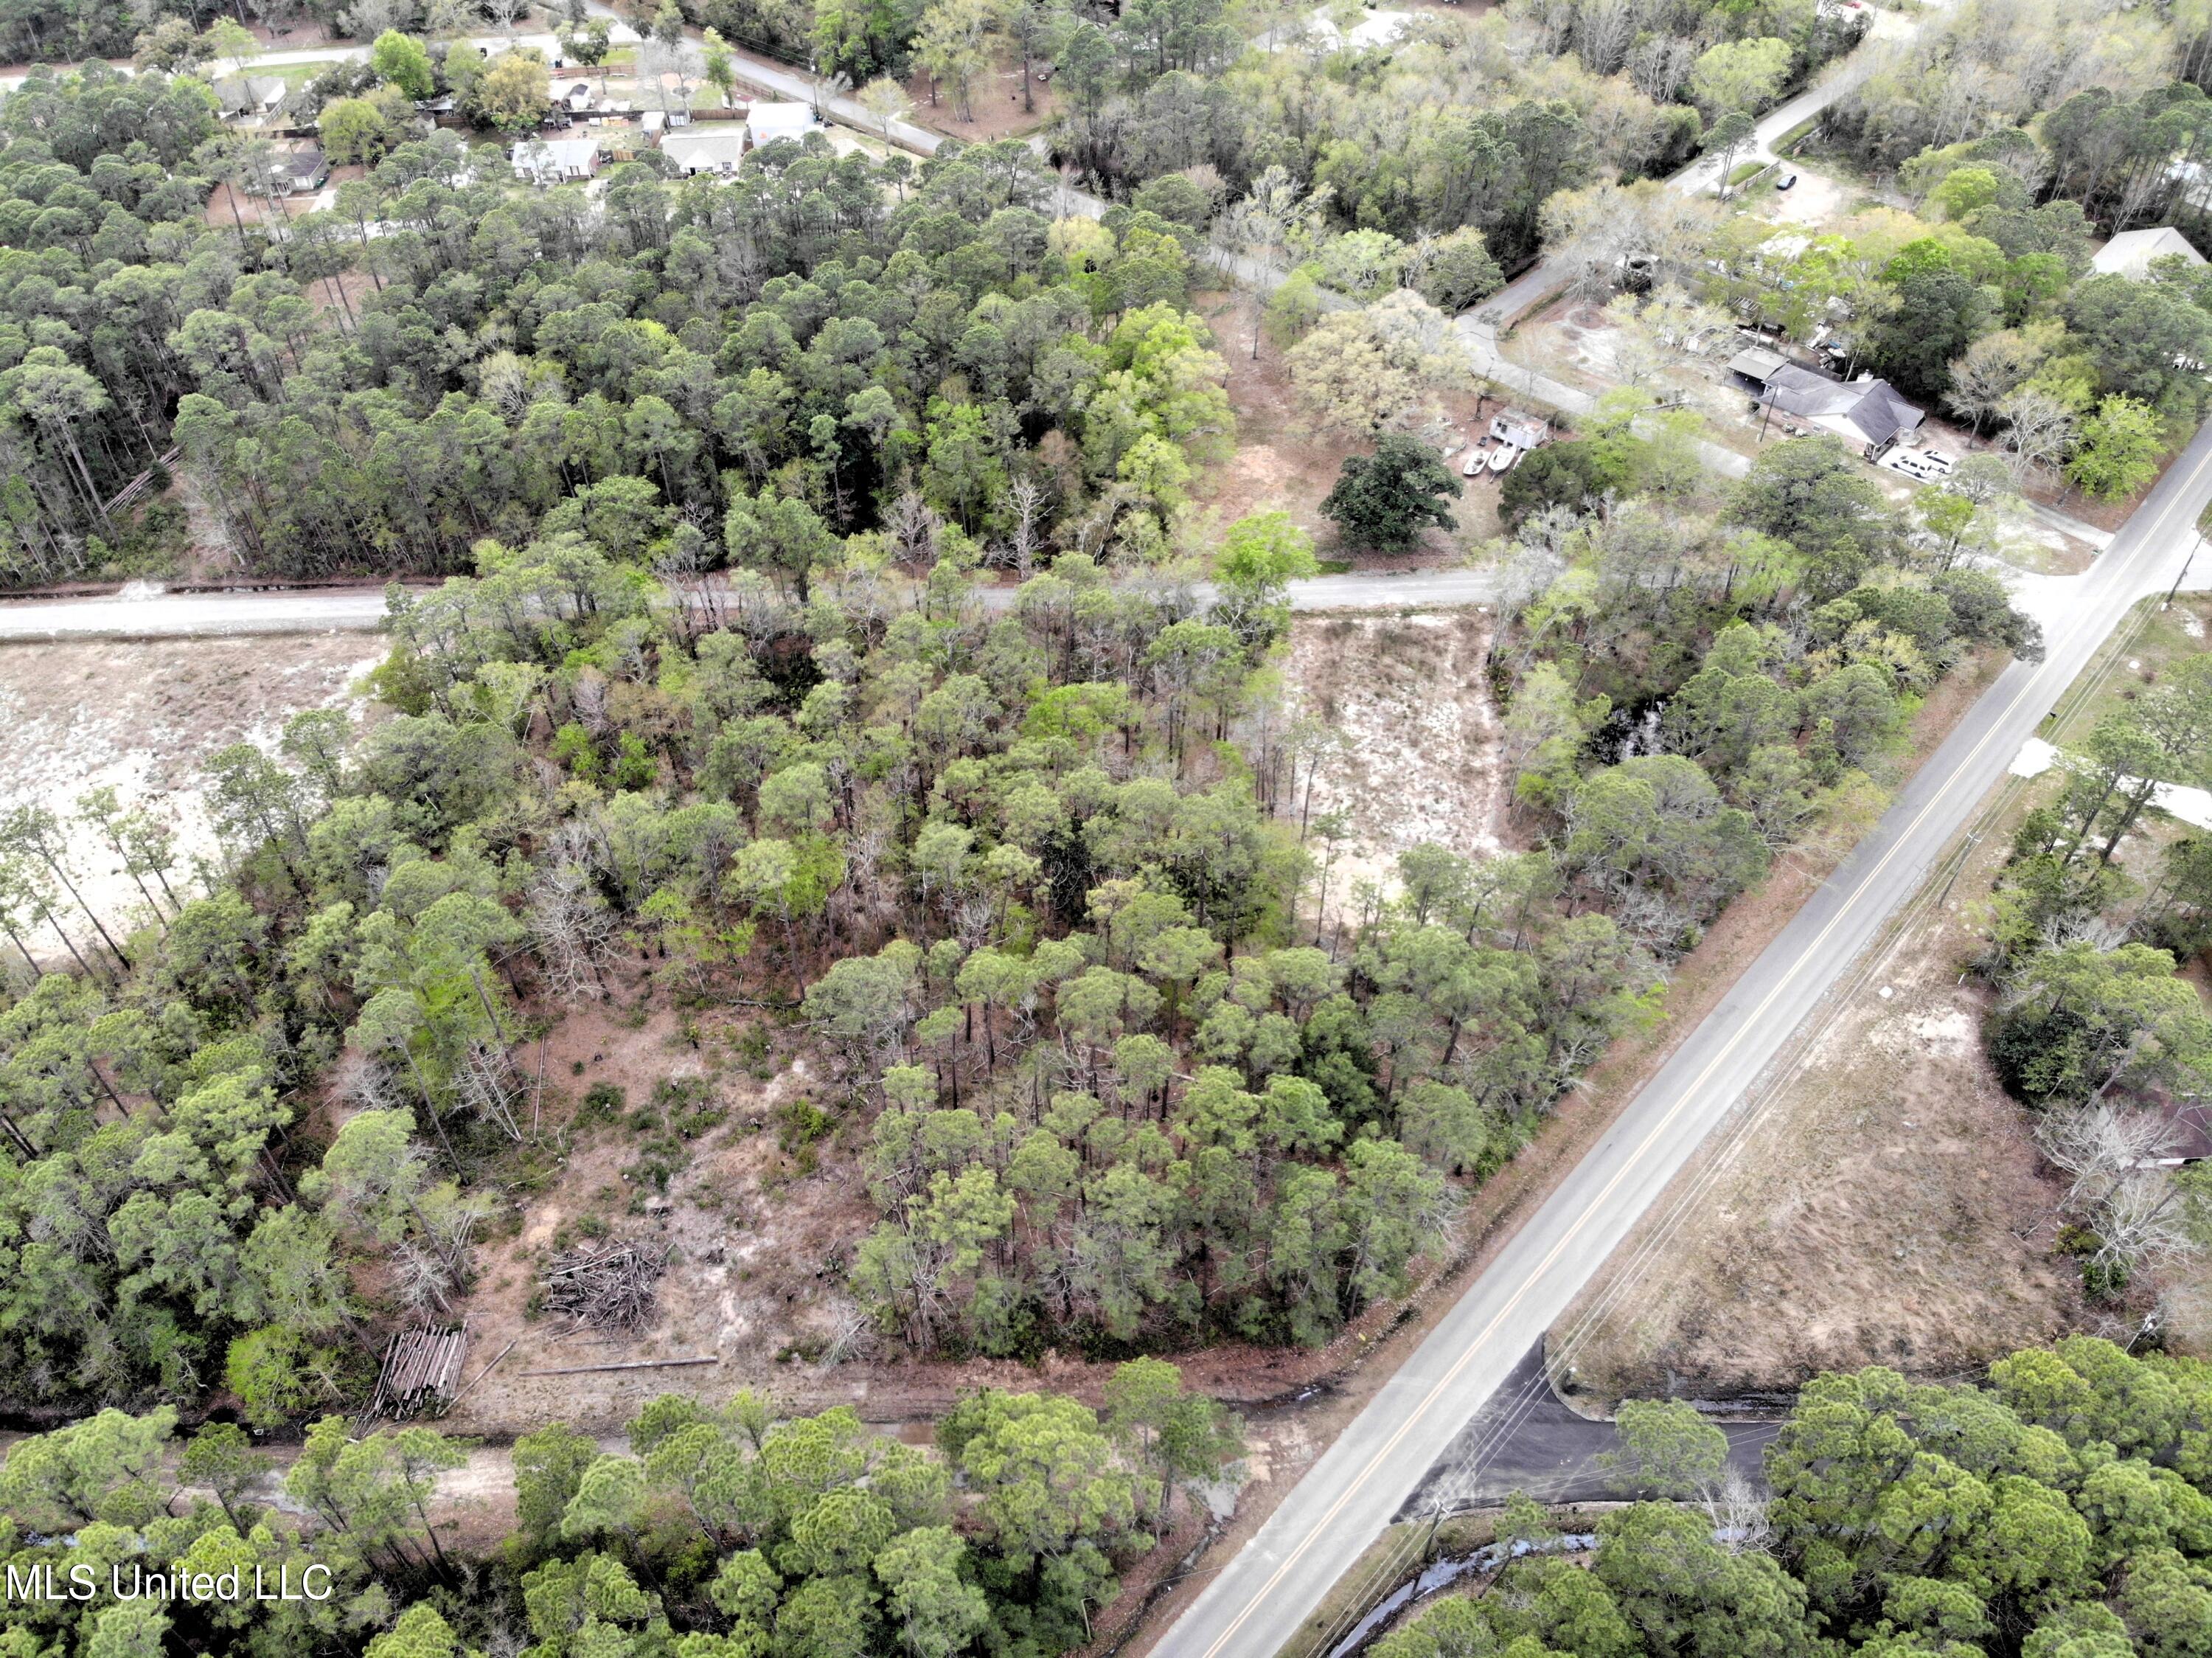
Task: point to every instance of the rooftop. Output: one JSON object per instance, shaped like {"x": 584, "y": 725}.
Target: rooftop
{"x": 1872, "y": 407}
{"x": 2130, "y": 252}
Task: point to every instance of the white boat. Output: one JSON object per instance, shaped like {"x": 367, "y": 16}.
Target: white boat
{"x": 1474, "y": 463}
{"x": 1506, "y": 455}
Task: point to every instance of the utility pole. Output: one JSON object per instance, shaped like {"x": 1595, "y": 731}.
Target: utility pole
{"x": 2184, "y": 577}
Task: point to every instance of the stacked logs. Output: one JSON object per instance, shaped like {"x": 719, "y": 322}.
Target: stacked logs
{"x": 609, "y": 1285}
{"x": 419, "y": 1366}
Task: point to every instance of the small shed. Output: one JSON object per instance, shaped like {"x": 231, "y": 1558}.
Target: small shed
{"x": 574, "y": 96}
{"x": 1757, "y": 364}
{"x": 715, "y": 149}
{"x": 2189, "y": 1133}
{"x": 551, "y": 161}
{"x": 1521, "y": 430}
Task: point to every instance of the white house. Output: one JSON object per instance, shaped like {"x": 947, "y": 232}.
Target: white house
{"x": 768, "y": 122}
{"x": 699, "y": 150}
{"x": 2130, "y": 253}
{"x": 549, "y": 160}
{"x": 301, "y": 170}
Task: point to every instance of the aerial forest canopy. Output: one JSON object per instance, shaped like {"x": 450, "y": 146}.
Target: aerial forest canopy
{"x": 726, "y": 1533}
{"x": 2061, "y": 1511}
{"x": 923, "y": 356}
{"x": 711, "y": 708}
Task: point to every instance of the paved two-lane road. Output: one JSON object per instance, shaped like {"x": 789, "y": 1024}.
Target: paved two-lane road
{"x": 1260, "y": 1599}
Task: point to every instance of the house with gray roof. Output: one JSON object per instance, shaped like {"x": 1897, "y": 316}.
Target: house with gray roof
{"x": 1867, "y": 413}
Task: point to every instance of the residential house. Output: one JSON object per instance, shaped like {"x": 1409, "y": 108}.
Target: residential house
{"x": 2130, "y": 253}
{"x": 1867, "y": 413}
{"x": 302, "y": 170}
{"x": 768, "y": 122}
{"x": 551, "y": 161}
{"x": 251, "y": 97}
{"x": 705, "y": 150}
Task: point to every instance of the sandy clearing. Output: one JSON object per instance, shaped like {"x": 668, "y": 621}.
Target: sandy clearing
{"x": 1416, "y": 759}
{"x": 143, "y": 718}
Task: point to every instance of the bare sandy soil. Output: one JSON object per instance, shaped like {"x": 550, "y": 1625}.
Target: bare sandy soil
{"x": 144, "y": 718}
{"x": 756, "y": 1236}
{"x": 1814, "y": 200}
{"x": 1416, "y": 759}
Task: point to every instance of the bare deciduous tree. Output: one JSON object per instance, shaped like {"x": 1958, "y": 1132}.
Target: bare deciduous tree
{"x": 2038, "y": 429}
{"x": 569, "y": 923}
{"x": 1025, "y": 503}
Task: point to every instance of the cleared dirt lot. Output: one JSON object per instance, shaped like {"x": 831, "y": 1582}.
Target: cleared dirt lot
{"x": 1417, "y": 755}
{"x": 144, "y": 718}
{"x": 1285, "y": 461}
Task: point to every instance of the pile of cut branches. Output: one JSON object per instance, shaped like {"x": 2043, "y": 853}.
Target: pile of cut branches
{"x": 608, "y": 1285}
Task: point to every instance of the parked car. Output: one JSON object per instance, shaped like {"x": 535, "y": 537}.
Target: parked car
{"x": 1787, "y": 181}
{"x": 1940, "y": 461}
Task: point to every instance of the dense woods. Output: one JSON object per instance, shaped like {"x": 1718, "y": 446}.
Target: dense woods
{"x": 714, "y": 1534}
{"x": 865, "y": 362}
{"x": 1690, "y": 690}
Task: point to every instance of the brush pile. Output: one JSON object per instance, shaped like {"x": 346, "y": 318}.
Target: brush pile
{"x": 608, "y": 1284}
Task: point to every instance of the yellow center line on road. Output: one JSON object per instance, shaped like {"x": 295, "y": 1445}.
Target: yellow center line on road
{"x": 1752, "y": 1023}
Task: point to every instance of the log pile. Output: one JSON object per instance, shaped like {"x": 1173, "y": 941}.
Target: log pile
{"x": 607, "y": 1285}
{"x": 419, "y": 1367}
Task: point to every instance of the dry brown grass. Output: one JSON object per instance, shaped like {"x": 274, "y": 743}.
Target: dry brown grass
{"x": 1888, "y": 1208}
{"x": 1887, "y": 1204}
